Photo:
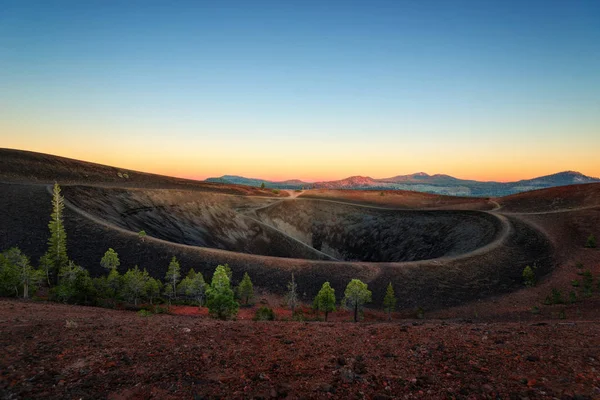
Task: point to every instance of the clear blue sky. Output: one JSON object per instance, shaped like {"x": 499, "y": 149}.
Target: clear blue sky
{"x": 308, "y": 89}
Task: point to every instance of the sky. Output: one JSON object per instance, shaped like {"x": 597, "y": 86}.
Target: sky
{"x": 314, "y": 90}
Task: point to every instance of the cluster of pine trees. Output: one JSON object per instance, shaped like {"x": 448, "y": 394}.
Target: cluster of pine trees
{"x": 71, "y": 283}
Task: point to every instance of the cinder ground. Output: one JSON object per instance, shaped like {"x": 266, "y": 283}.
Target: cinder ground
{"x": 120, "y": 355}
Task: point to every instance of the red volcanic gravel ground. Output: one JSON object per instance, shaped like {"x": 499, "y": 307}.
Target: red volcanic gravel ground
{"x": 55, "y": 351}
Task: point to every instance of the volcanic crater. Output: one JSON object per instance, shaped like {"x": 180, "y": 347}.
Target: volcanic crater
{"x": 291, "y": 228}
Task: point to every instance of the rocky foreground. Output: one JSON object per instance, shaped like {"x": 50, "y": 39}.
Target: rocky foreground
{"x": 65, "y": 352}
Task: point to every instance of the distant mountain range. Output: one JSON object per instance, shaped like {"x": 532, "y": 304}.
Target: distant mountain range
{"x": 422, "y": 182}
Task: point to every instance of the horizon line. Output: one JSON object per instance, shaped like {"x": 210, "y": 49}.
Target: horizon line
{"x": 279, "y": 180}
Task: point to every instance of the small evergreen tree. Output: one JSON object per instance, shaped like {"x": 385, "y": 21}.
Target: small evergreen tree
{"x": 325, "y": 300}
{"x": 528, "y": 276}
{"x": 182, "y": 287}
{"x": 246, "y": 289}
{"x": 74, "y": 285}
{"x": 56, "y": 256}
{"x": 114, "y": 285}
{"x": 169, "y": 293}
{"x": 193, "y": 286}
{"x": 588, "y": 283}
{"x": 292, "y": 294}
{"x": 355, "y": 296}
{"x": 142, "y": 235}
{"x": 153, "y": 287}
{"x": 197, "y": 289}
{"x": 262, "y": 185}
{"x": 221, "y": 303}
{"x": 9, "y": 276}
{"x": 110, "y": 260}
{"x": 134, "y": 284}
{"x": 389, "y": 301}
{"x": 17, "y": 273}
{"x": 591, "y": 242}
{"x": 173, "y": 275}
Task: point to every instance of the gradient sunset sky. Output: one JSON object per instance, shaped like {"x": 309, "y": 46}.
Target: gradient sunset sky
{"x": 315, "y": 90}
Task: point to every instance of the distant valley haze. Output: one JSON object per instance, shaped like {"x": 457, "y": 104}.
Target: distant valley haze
{"x": 422, "y": 182}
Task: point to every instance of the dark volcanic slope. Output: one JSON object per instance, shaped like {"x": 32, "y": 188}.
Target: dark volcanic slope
{"x": 553, "y": 199}
{"x": 29, "y": 167}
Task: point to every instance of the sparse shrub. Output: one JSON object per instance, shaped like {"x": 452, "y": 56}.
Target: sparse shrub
{"x": 562, "y": 314}
{"x": 548, "y": 300}
{"x": 575, "y": 283}
{"x": 298, "y": 315}
{"x": 126, "y": 175}
{"x": 142, "y": 235}
{"x": 264, "y": 313}
{"x": 145, "y": 313}
{"x": 591, "y": 242}
{"x": 579, "y": 265}
{"x": 160, "y": 310}
{"x": 382, "y": 194}
{"x": 275, "y": 191}
{"x": 298, "y": 190}
{"x": 556, "y": 296}
{"x": 528, "y": 276}
{"x": 572, "y": 297}
{"x": 420, "y": 313}
{"x": 120, "y": 175}
{"x": 588, "y": 283}
{"x": 535, "y": 310}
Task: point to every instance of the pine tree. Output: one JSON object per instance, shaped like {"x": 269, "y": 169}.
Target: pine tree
{"x": 17, "y": 272}
{"x": 325, "y": 299}
{"x": 134, "y": 284}
{"x": 356, "y": 295}
{"x": 74, "y": 285}
{"x": 197, "y": 288}
{"x": 114, "y": 284}
{"x": 169, "y": 293}
{"x": 110, "y": 260}
{"x": 153, "y": 287}
{"x": 389, "y": 301}
{"x": 528, "y": 276}
{"x": 246, "y": 289}
{"x": 9, "y": 276}
{"x": 221, "y": 303}
{"x": 173, "y": 275}
{"x": 292, "y": 294}
{"x": 56, "y": 256}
